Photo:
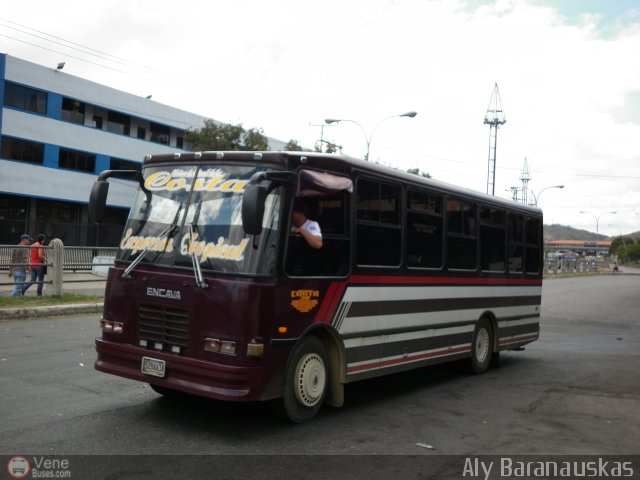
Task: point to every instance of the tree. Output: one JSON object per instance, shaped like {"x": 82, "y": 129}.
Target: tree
{"x": 328, "y": 148}
{"x": 417, "y": 171}
{"x": 254, "y": 139}
{"x": 625, "y": 248}
{"x": 293, "y": 146}
{"x": 225, "y": 137}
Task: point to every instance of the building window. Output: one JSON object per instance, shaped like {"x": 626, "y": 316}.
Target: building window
{"x": 57, "y": 212}
{"x": 72, "y": 111}
{"x": 160, "y": 133}
{"x": 75, "y": 160}
{"x": 25, "y": 98}
{"x": 118, "y": 123}
{"x": 13, "y": 208}
{"x": 120, "y": 164}
{"x": 22, "y": 150}
{"x": 142, "y": 133}
{"x": 97, "y": 122}
{"x": 179, "y": 142}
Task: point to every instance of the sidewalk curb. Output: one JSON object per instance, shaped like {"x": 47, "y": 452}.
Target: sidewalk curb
{"x": 49, "y": 310}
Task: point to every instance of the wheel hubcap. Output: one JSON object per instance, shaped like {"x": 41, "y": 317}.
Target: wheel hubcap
{"x": 310, "y": 379}
{"x": 482, "y": 345}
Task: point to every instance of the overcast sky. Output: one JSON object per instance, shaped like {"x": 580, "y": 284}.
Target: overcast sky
{"x": 568, "y": 72}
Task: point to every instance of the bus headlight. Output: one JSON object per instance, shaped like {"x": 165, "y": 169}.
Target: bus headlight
{"x": 216, "y": 345}
{"x": 109, "y": 326}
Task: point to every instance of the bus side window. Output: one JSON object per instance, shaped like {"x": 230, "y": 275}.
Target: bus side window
{"x": 333, "y": 258}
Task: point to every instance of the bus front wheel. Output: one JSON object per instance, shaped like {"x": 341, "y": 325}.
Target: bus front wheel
{"x": 306, "y": 381}
{"x": 482, "y": 347}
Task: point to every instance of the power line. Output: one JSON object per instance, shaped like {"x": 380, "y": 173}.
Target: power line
{"x": 61, "y": 53}
{"x": 85, "y": 49}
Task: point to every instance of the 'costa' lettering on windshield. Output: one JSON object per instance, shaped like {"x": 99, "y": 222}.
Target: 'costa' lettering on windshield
{"x": 177, "y": 180}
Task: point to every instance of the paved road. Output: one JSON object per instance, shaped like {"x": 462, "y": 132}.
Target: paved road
{"x": 575, "y": 391}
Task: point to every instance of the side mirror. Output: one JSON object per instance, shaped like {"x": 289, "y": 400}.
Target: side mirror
{"x": 253, "y": 200}
{"x": 98, "y": 201}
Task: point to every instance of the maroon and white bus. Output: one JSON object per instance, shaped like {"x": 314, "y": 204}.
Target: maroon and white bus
{"x": 212, "y": 294}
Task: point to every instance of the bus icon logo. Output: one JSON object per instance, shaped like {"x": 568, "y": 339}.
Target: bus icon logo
{"x": 18, "y": 467}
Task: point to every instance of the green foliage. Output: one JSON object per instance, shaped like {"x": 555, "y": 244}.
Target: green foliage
{"x": 328, "y": 147}
{"x": 34, "y": 301}
{"x": 225, "y": 137}
{"x": 293, "y": 146}
{"x": 626, "y": 249}
{"x": 417, "y": 171}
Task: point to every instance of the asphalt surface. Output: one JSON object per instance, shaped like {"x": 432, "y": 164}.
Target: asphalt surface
{"x": 576, "y": 391}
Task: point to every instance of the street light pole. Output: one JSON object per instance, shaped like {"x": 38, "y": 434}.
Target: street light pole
{"x": 597, "y": 217}
{"x": 368, "y": 137}
{"x": 536, "y": 197}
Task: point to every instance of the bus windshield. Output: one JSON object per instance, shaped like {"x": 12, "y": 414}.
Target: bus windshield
{"x": 188, "y": 214}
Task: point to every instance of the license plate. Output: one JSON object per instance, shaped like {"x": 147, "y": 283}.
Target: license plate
{"x": 153, "y": 366}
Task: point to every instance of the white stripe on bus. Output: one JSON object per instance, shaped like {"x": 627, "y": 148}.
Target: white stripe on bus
{"x": 373, "y": 323}
{"x": 383, "y": 293}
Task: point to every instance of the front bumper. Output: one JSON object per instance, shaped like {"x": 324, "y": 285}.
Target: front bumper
{"x": 198, "y": 377}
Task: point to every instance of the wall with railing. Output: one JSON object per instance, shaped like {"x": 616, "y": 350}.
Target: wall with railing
{"x": 61, "y": 259}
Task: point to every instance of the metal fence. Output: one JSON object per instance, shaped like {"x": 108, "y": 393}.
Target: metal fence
{"x": 75, "y": 259}
{"x": 61, "y": 259}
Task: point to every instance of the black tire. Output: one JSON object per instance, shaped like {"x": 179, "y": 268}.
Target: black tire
{"x": 482, "y": 347}
{"x": 306, "y": 381}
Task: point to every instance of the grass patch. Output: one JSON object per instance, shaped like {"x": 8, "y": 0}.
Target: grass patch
{"x": 30, "y": 301}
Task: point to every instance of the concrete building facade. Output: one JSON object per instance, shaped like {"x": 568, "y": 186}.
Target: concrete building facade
{"x": 58, "y": 132}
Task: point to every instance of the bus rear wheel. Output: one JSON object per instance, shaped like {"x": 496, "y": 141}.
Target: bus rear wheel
{"x": 482, "y": 347}
{"x": 306, "y": 381}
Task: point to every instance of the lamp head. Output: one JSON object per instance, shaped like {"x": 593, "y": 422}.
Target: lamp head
{"x": 409, "y": 114}
{"x": 60, "y": 66}
{"x": 331, "y": 120}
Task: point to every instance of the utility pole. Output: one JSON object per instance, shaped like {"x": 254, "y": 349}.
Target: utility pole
{"x": 494, "y": 118}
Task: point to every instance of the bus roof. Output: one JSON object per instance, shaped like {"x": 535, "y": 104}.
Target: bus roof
{"x": 334, "y": 163}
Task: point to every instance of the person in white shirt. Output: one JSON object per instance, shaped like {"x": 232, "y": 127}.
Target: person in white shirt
{"x": 309, "y": 229}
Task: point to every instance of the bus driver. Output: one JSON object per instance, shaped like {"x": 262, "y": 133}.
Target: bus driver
{"x": 309, "y": 229}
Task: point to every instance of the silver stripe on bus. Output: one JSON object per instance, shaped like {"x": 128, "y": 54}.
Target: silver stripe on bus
{"x": 389, "y": 292}
{"x": 406, "y": 336}
{"x": 366, "y": 324}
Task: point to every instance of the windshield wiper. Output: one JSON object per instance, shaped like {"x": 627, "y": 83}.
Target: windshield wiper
{"x": 197, "y": 271}
{"x": 168, "y": 232}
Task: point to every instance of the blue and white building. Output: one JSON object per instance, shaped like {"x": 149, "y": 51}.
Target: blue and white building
{"x": 58, "y": 133}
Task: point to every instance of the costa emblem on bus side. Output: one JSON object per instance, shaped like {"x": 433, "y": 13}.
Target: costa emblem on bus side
{"x": 304, "y": 300}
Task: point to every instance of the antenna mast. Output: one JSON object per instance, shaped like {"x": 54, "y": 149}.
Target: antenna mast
{"x": 494, "y": 118}
{"x": 525, "y": 176}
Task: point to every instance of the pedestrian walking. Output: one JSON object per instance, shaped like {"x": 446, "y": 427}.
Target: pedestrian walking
{"x": 38, "y": 264}
{"x": 19, "y": 266}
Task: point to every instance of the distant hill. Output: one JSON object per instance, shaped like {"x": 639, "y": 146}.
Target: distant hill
{"x": 565, "y": 232}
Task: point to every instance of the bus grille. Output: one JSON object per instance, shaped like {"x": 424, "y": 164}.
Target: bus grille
{"x": 167, "y": 325}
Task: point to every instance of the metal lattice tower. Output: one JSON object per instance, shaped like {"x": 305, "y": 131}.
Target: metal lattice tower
{"x": 525, "y": 176}
{"x": 494, "y": 118}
